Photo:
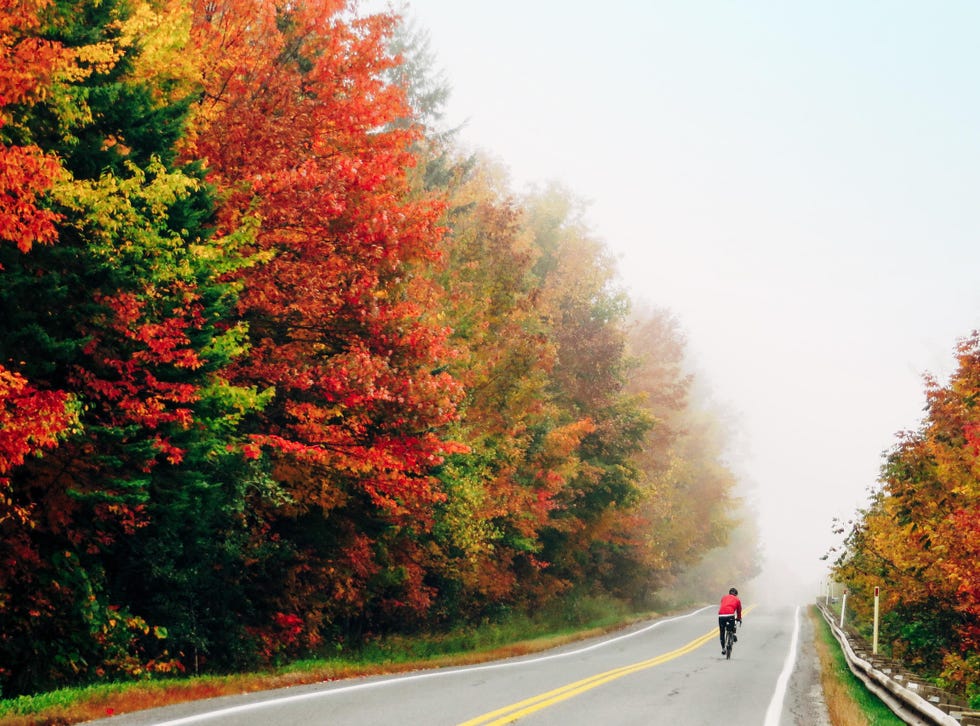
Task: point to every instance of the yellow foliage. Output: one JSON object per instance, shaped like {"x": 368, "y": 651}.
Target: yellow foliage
{"x": 161, "y": 32}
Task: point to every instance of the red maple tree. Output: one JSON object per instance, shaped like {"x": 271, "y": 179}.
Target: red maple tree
{"x": 299, "y": 129}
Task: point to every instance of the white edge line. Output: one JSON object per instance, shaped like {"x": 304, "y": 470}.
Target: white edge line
{"x": 775, "y": 709}
{"x": 416, "y": 677}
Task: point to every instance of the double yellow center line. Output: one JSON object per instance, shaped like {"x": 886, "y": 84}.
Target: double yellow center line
{"x": 509, "y": 714}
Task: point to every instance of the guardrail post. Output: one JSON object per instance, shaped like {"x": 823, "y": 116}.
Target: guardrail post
{"x": 874, "y": 640}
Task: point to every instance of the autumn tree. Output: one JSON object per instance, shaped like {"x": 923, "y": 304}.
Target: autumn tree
{"x": 586, "y": 542}
{"x": 121, "y": 309}
{"x": 695, "y": 524}
{"x": 300, "y": 126}
{"x": 500, "y": 490}
{"x": 30, "y": 419}
{"x": 918, "y": 539}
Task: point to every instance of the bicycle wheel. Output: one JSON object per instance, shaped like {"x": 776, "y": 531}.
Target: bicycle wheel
{"x": 729, "y": 642}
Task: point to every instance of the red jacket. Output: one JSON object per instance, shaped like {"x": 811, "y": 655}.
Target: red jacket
{"x": 731, "y": 605}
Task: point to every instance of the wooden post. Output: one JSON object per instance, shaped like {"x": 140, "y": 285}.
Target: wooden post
{"x": 874, "y": 641}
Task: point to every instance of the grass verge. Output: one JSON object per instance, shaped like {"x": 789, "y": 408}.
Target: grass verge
{"x": 516, "y": 636}
{"x": 849, "y": 703}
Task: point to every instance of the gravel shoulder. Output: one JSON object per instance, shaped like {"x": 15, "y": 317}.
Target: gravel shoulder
{"x": 805, "y": 702}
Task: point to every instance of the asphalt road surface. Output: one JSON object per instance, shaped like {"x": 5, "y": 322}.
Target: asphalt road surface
{"x": 666, "y": 671}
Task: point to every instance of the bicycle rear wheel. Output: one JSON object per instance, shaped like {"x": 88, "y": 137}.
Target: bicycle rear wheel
{"x": 729, "y": 642}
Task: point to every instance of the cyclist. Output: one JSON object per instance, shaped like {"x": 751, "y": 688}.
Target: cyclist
{"x": 730, "y": 609}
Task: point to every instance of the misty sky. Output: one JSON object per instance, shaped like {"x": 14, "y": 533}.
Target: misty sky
{"x": 795, "y": 181}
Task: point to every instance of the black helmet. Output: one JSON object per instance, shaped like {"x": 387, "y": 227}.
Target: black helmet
{"x": 732, "y": 591}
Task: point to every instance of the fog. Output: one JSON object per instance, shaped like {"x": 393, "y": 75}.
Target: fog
{"x": 796, "y": 182}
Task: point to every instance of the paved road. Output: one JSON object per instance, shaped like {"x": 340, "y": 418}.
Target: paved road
{"x": 668, "y": 671}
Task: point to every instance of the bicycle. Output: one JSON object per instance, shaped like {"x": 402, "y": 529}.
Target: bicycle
{"x": 730, "y": 637}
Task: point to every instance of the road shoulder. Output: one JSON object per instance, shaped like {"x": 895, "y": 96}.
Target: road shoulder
{"x": 805, "y": 703}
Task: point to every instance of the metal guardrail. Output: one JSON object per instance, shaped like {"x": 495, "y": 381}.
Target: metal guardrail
{"x": 911, "y": 699}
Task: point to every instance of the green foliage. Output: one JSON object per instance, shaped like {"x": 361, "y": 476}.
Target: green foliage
{"x": 919, "y": 633}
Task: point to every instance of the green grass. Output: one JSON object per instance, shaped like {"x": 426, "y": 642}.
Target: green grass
{"x": 877, "y": 713}
{"x": 57, "y": 701}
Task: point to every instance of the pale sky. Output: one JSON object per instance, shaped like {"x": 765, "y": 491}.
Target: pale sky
{"x": 797, "y": 182}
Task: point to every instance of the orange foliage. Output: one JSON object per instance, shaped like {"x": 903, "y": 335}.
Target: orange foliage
{"x": 27, "y": 65}
{"x": 30, "y": 420}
